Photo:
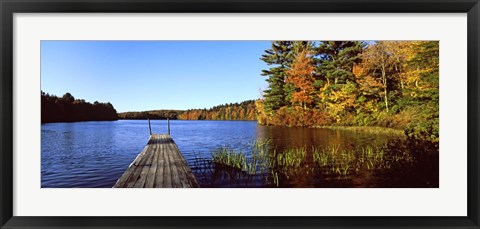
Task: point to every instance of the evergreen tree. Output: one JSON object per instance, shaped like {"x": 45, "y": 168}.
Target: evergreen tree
{"x": 336, "y": 59}
{"x": 279, "y": 56}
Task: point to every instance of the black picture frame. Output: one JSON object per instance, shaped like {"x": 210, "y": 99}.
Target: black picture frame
{"x": 9, "y": 7}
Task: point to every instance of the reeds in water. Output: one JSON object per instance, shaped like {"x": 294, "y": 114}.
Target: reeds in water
{"x": 344, "y": 162}
{"x": 264, "y": 160}
{"x": 367, "y": 129}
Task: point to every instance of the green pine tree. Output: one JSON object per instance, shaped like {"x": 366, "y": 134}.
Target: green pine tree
{"x": 335, "y": 60}
{"x": 279, "y": 56}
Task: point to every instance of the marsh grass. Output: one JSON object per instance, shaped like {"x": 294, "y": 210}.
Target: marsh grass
{"x": 230, "y": 157}
{"x": 367, "y": 129}
{"x": 345, "y": 162}
{"x": 278, "y": 166}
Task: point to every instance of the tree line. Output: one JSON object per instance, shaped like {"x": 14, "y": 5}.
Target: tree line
{"x": 233, "y": 111}
{"x": 69, "y": 109}
{"x": 353, "y": 83}
{"x": 154, "y": 114}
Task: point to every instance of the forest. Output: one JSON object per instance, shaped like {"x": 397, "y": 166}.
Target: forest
{"x": 391, "y": 84}
{"x": 232, "y": 111}
{"x": 69, "y": 109}
{"x": 153, "y": 114}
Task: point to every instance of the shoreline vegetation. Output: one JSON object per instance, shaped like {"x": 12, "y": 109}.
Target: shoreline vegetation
{"x": 280, "y": 167}
{"x": 366, "y": 129}
{"x": 334, "y": 160}
{"x": 392, "y": 84}
{"x": 233, "y": 111}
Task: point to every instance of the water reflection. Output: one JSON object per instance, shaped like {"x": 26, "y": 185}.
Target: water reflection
{"x": 328, "y": 158}
{"x": 284, "y": 137}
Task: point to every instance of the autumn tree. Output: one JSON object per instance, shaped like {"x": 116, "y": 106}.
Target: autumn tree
{"x": 370, "y": 89}
{"x": 424, "y": 68}
{"x": 379, "y": 62}
{"x": 297, "y": 48}
{"x": 301, "y": 77}
{"x": 424, "y": 87}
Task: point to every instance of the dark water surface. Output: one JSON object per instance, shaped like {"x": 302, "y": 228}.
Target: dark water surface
{"x": 95, "y": 154}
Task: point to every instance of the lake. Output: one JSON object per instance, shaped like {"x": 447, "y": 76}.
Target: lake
{"x": 95, "y": 155}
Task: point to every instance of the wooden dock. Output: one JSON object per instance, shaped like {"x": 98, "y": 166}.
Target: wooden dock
{"x": 159, "y": 165}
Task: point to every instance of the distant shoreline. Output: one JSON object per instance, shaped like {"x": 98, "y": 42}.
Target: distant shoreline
{"x": 69, "y": 109}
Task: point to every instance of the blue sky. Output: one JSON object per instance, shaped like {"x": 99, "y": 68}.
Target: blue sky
{"x": 149, "y": 75}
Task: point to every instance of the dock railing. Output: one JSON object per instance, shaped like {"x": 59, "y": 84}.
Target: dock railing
{"x": 150, "y": 126}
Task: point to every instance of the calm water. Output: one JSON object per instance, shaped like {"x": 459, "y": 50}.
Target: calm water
{"x": 95, "y": 154}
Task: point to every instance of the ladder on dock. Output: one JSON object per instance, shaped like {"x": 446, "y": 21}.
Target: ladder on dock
{"x": 159, "y": 165}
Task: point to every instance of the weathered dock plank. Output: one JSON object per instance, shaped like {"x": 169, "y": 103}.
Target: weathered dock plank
{"x": 159, "y": 165}
{"x": 167, "y": 172}
{"x": 150, "y": 177}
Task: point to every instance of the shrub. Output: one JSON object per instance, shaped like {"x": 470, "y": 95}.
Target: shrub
{"x": 299, "y": 117}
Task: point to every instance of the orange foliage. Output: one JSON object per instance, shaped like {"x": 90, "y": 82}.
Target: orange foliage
{"x": 299, "y": 117}
{"x": 369, "y": 85}
{"x": 301, "y": 76}
{"x": 243, "y": 111}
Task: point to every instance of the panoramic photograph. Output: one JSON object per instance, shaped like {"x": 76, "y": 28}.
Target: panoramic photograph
{"x": 240, "y": 114}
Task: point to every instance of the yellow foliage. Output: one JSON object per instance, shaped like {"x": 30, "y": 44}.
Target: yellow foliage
{"x": 339, "y": 100}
